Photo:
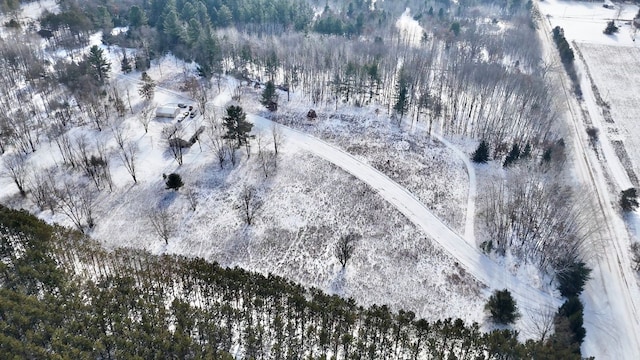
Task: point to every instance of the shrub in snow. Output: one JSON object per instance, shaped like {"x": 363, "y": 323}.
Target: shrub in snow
{"x": 635, "y": 255}
{"x": 611, "y": 28}
{"x": 502, "y": 307}
{"x": 174, "y": 181}
{"x": 629, "y": 200}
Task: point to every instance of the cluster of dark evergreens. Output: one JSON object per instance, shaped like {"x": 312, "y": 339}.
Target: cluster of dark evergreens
{"x": 567, "y": 56}
{"x": 64, "y": 297}
{"x": 566, "y": 53}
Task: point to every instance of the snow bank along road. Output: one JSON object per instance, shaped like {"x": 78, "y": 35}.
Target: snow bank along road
{"x": 475, "y": 262}
{"x": 611, "y": 314}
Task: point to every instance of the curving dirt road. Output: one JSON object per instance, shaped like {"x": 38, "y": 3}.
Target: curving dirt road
{"x": 474, "y": 261}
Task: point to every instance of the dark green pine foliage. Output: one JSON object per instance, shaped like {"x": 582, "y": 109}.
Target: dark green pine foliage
{"x": 90, "y": 303}
{"x": 572, "y": 277}
{"x": 137, "y": 17}
{"x": 502, "y": 307}
{"x": 125, "y": 63}
{"x": 402, "y": 95}
{"x": 481, "y": 155}
{"x": 269, "y": 97}
{"x": 566, "y": 53}
{"x": 238, "y": 128}
{"x": 99, "y": 66}
{"x": 573, "y": 311}
{"x": 512, "y": 156}
{"x": 174, "y": 181}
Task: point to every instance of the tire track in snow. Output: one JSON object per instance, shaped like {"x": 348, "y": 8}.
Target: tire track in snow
{"x": 475, "y": 262}
{"x": 611, "y": 315}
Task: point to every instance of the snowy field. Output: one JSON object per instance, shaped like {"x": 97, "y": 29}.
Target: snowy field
{"x": 607, "y": 67}
{"x": 585, "y": 21}
{"x": 615, "y": 72}
{"x": 308, "y": 203}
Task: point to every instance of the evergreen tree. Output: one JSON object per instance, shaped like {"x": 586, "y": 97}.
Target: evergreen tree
{"x": 402, "y": 95}
{"x": 481, "y": 155}
{"x": 125, "y": 63}
{"x": 513, "y": 156}
{"x": 137, "y": 17}
{"x": 269, "y": 97}
{"x": 224, "y": 17}
{"x": 573, "y": 310}
{"x": 238, "y": 128}
{"x": 99, "y": 66}
{"x": 502, "y": 307}
{"x": 572, "y": 277}
{"x": 455, "y": 28}
{"x": 611, "y": 28}
{"x": 147, "y": 88}
{"x": 174, "y": 181}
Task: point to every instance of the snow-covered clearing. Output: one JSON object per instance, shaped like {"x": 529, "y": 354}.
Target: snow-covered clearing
{"x": 409, "y": 28}
{"x": 611, "y": 309}
{"x": 411, "y": 255}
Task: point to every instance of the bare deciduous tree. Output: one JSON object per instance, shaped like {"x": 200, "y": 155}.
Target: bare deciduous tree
{"x": 162, "y": 224}
{"x": 66, "y": 148}
{"x": 266, "y": 158}
{"x": 146, "y": 114}
{"x": 345, "y": 248}
{"x": 539, "y": 220}
{"x": 173, "y": 135}
{"x": 541, "y": 322}
{"x": 276, "y": 135}
{"x": 128, "y": 153}
{"x": 249, "y": 203}
{"x": 119, "y": 135}
{"x": 16, "y": 169}
{"x": 41, "y": 187}
{"x": 635, "y": 255}
{"x": 192, "y": 196}
{"x": 76, "y": 202}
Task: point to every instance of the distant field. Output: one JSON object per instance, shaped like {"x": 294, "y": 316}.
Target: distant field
{"x": 616, "y": 73}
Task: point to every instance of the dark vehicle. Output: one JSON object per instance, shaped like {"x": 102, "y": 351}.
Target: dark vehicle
{"x": 193, "y": 114}
{"x": 182, "y": 106}
{"x": 190, "y": 107}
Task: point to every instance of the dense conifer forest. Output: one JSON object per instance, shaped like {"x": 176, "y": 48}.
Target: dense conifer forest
{"x": 63, "y": 296}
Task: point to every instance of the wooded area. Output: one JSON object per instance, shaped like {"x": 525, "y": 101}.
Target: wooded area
{"x": 64, "y": 296}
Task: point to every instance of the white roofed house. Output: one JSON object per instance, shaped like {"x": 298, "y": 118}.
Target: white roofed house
{"x": 167, "y": 111}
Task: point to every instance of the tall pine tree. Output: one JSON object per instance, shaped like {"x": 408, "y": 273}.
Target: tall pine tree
{"x": 99, "y": 66}
{"x": 402, "y": 97}
{"x": 238, "y": 128}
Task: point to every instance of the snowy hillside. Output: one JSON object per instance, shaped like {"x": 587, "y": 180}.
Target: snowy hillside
{"x": 375, "y": 142}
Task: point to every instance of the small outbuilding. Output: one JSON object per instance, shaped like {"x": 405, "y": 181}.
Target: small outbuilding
{"x": 167, "y": 111}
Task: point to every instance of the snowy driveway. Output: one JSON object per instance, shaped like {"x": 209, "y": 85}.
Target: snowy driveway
{"x": 474, "y": 261}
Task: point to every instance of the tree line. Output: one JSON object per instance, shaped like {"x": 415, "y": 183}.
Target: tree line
{"x": 64, "y": 296}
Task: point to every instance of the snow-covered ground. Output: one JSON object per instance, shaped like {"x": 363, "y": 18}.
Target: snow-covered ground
{"x": 408, "y": 258}
{"x": 584, "y": 21}
{"x": 611, "y": 298}
{"x": 411, "y": 256}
